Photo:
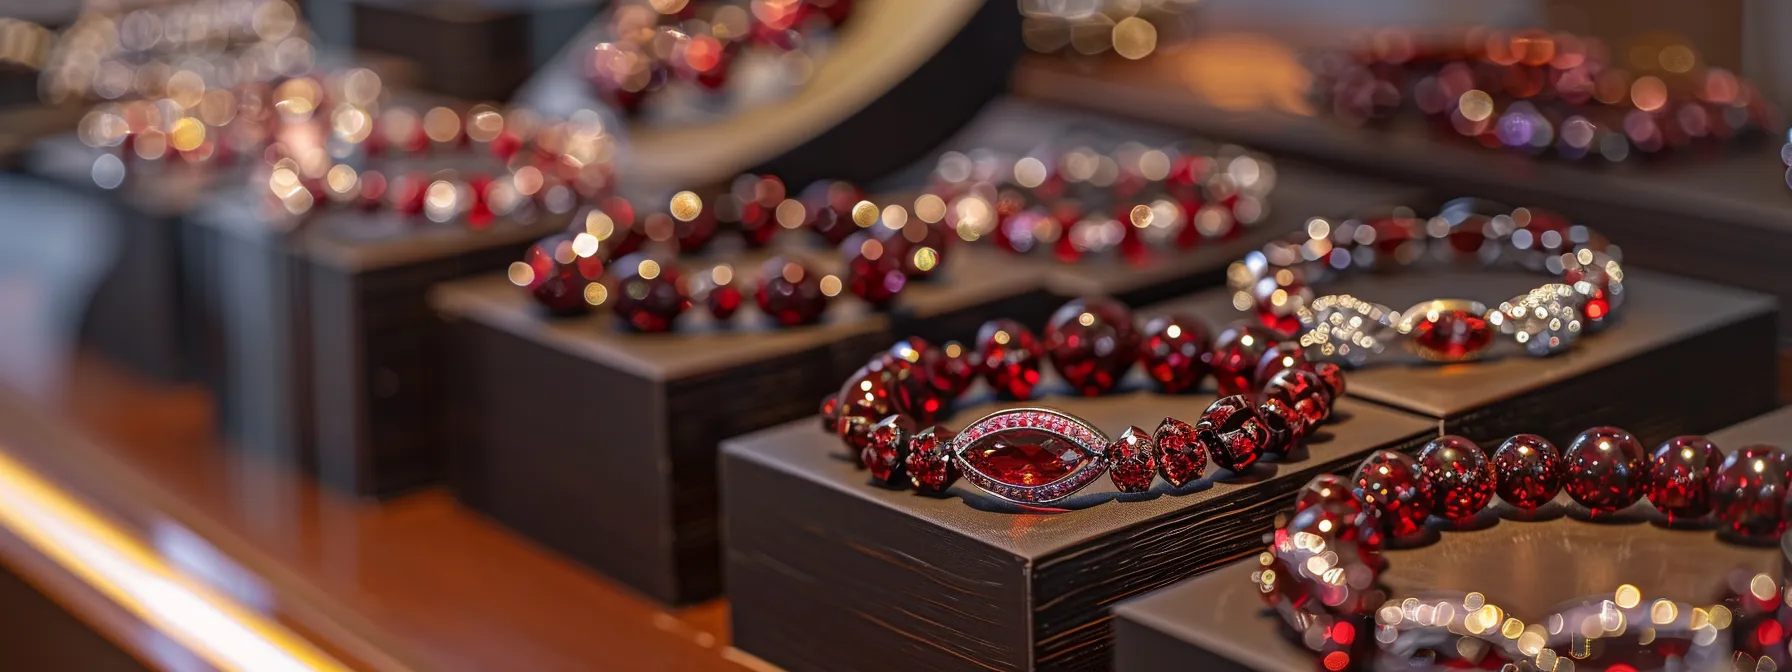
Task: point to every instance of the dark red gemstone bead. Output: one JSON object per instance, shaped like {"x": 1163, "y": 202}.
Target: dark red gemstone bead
{"x": 1302, "y": 391}
{"x": 649, "y": 294}
{"x": 954, "y": 369}
{"x": 1681, "y": 475}
{"x": 1391, "y": 482}
{"x": 1327, "y": 490}
{"x": 1333, "y": 377}
{"x": 829, "y": 207}
{"x": 1132, "y": 461}
{"x": 790, "y": 293}
{"x": 1181, "y": 457}
{"x": 695, "y": 234}
{"x": 558, "y": 274}
{"x": 917, "y": 394}
{"x": 1026, "y": 457}
{"x": 1092, "y": 343}
{"x": 1461, "y": 477}
{"x": 868, "y": 396}
{"x": 887, "y": 453}
{"x": 1328, "y": 507}
{"x": 1451, "y": 335}
{"x": 921, "y": 248}
{"x": 1286, "y": 426}
{"x": 930, "y": 465}
{"x": 723, "y": 301}
{"x": 1528, "y": 471}
{"x": 1236, "y": 353}
{"x": 1605, "y": 469}
{"x": 1750, "y": 491}
{"x": 1233, "y": 432}
{"x": 505, "y": 145}
{"x": 1285, "y": 355}
{"x": 873, "y": 272}
{"x": 1175, "y": 352}
{"x": 1009, "y": 356}
{"x": 830, "y": 413}
{"x": 408, "y": 192}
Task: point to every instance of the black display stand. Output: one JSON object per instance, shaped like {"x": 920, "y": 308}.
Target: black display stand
{"x": 1673, "y": 334}
{"x": 1218, "y": 621}
{"x": 827, "y": 571}
{"x": 469, "y": 49}
{"x": 321, "y": 349}
{"x": 601, "y": 444}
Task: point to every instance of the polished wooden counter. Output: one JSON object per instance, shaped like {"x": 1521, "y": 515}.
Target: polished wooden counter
{"x": 408, "y": 584}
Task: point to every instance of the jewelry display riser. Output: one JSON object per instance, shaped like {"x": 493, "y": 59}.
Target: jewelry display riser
{"x": 827, "y": 571}
{"x": 1219, "y": 622}
{"x": 1684, "y": 356}
{"x": 321, "y": 350}
{"x": 476, "y": 50}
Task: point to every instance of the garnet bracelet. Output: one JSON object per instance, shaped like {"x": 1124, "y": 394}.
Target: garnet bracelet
{"x": 1586, "y": 291}
{"x": 1039, "y": 455}
{"x": 1321, "y": 569}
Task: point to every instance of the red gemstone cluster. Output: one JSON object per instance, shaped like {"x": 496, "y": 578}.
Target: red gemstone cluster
{"x": 1587, "y": 289}
{"x": 696, "y": 41}
{"x": 1039, "y": 456}
{"x": 1544, "y": 93}
{"x": 1080, "y": 203}
{"x": 1320, "y": 573}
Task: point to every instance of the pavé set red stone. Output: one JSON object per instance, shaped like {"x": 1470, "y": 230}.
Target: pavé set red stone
{"x": 1320, "y": 573}
{"x": 1041, "y": 455}
{"x": 1586, "y": 293}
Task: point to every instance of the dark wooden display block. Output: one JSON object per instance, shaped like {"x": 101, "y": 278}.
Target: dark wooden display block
{"x": 322, "y": 349}
{"x": 1672, "y": 334}
{"x": 602, "y": 444}
{"x": 827, "y": 571}
{"x": 469, "y": 49}
{"x": 1218, "y": 621}
{"x": 139, "y": 317}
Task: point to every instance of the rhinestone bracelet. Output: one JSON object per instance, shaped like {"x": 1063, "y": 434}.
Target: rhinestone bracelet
{"x": 1587, "y": 290}
{"x": 1040, "y": 455}
{"x": 1321, "y": 569}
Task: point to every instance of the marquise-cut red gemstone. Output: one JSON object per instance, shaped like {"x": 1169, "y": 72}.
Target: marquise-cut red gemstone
{"x": 1025, "y": 457}
{"x": 1452, "y": 334}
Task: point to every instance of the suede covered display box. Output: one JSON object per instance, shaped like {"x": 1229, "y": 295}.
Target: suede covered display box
{"x": 1673, "y": 336}
{"x": 828, "y": 571}
{"x": 320, "y": 346}
{"x": 1219, "y": 622}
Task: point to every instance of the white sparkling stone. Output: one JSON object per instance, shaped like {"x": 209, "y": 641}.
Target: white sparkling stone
{"x": 1343, "y": 329}
{"x": 1544, "y": 321}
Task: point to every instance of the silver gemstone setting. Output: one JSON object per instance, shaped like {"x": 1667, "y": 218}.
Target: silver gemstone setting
{"x": 1082, "y": 435}
{"x": 1543, "y": 321}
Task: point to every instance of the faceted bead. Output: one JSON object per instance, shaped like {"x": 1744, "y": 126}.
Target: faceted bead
{"x": 1092, "y": 343}
{"x": 1181, "y": 457}
{"x": 1447, "y": 331}
{"x": 922, "y": 248}
{"x": 954, "y": 369}
{"x": 873, "y": 273}
{"x": 1345, "y": 330}
{"x": 1327, "y": 490}
{"x": 1025, "y": 457}
{"x": 830, "y": 413}
{"x": 867, "y": 397}
{"x": 888, "y": 451}
{"x": 1528, "y": 471}
{"x": 1333, "y": 377}
{"x": 1681, "y": 475}
{"x": 1461, "y": 477}
{"x": 1303, "y": 392}
{"x": 1009, "y": 356}
{"x": 1605, "y": 469}
{"x": 1236, "y": 353}
{"x": 723, "y": 301}
{"x": 1175, "y": 352}
{"x": 790, "y": 293}
{"x": 1278, "y": 297}
{"x": 1545, "y": 321}
{"x": 1286, "y": 426}
{"x": 1234, "y": 432}
{"x": 1328, "y": 507}
{"x": 1285, "y": 355}
{"x": 649, "y": 294}
{"x": 1599, "y": 280}
{"x": 1132, "y": 461}
{"x": 558, "y": 275}
{"x": 930, "y": 465}
{"x": 1391, "y": 482}
{"x": 1750, "y": 491}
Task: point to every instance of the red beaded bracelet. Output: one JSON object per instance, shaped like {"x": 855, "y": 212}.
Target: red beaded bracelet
{"x": 1584, "y": 295}
{"x": 1039, "y": 455}
{"x": 1321, "y": 568}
